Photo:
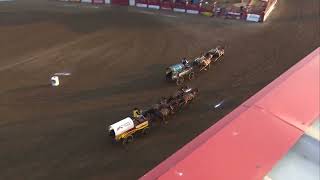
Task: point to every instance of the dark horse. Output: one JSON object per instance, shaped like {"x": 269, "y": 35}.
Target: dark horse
{"x": 169, "y": 106}
{"x": 157, "y": 113}
{"x": 183, "y": 97}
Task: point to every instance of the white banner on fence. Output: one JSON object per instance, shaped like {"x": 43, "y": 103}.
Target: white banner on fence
{"x": 192, "y": 11}
{"x": 132, "y": 2}
{"x": 153, "y": 6}
{"x": 253, "y": 17}
{"x": 86, "y": 1}
{"x": 234, "y": 13}
{"x": 142, "y": 5}
{"x": 107, "y": 1}
{"x": 166, "y": 8}
{"x": 179, "y": 10}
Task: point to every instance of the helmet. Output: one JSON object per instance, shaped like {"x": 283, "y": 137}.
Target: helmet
{"x": 184, "y": 61}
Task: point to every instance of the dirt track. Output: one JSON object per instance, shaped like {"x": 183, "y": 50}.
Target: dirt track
{"x": 117, "y": 57}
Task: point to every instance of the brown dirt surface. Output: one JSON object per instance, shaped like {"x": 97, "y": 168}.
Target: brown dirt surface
{"x": 117, "y": 57}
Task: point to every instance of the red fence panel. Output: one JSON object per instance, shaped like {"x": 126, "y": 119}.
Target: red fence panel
{"x": 98, "y": 1}
{"x": 154, "y": 4}
{"x": 86, "y": 1}
{"x": 235, "y": 13}
{"x": 256, "y": 10}
{"x": 142, "y": 3}
{"x": 179, "y": 6}
{"x": 166, "y": 4}
{"x": 193, "y": 8}
{"x": 120, "y": 2}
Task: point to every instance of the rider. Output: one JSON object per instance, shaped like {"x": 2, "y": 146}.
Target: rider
{"x": 137, "y": 114}
{"x": 185, "y": 62}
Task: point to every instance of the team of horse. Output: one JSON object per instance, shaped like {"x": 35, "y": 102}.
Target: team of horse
{"x": 169, "y": 106}
{"x": 187, "y": 70}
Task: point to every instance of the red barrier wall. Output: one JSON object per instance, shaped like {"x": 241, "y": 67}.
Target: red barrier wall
{"x": 120, "y": 2}
{"x": 154, "y": 2}
{"x": 98, "y": 1}
{"x": 179, "y": 6}
{"x": 166, "y": 4}
{"x": 142, "y": 3}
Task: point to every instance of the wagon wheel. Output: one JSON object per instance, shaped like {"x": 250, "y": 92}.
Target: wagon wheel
{"x": 127, "y": 140}
{"x": 130, "y": 139}
{"x": 221, "y": 57}
{"x": 168, "y": 77}
{"x": 124, "y": 141}
{"x": 209, "y": 65}
{"x": 113, "y": 141}
{"x": 180, "y": 81}
{"x": 191, "y": 76}
{"x": 145, "y": 131}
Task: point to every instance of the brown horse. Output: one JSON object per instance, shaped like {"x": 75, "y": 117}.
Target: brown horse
{"x": 158, "y": 111}
{"x": 165, "y": 112}
{"x": 188, "y": 97}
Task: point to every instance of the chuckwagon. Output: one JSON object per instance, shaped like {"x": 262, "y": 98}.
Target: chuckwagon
{"x": 125, "y": 130}
{"x": 185, "y": 70}
{"x": 179, "y": 72}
